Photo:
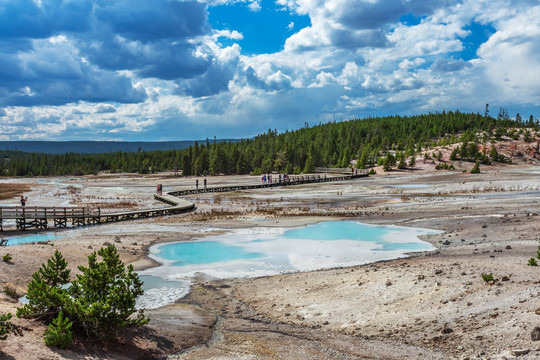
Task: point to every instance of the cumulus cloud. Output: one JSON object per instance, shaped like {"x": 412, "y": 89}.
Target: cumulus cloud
{"x": 80, "y": 50}
{"x": 143, "y": 69}
{"x": 39, "y": 20}
{"x": 105, "y": 108}
{"x": 450, "y": 65}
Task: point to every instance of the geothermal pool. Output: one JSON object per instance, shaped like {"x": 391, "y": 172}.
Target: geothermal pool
{"x": 270, "y": 251}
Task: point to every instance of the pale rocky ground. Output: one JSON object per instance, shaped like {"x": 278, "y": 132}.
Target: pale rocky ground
{"x": 430, "y": 306}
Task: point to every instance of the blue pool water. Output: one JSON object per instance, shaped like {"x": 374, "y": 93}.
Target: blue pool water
{"x": 25, "y": 239}
{"x": 204, "y": 252}
{"x": 263, "y": 251}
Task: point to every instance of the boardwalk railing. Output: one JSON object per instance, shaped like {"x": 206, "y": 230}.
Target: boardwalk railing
{"x": 289, "y": 180}
{"x": 41, "y": 217}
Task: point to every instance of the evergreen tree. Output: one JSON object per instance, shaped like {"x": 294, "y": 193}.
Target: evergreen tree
{"x": 5, "y": 325}
{"x": 46, "y": 296}
{"x": 476, "y": 168}
{"x": 101, "y": 301}
{"x": 309, "y": 168}
{"x": 412, "y": 162}
{"x": 104, "y": 294}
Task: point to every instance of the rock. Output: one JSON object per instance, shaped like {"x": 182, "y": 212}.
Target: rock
{"x": 518, "y": 352}
{"x": 505, "y": 278}
{"x": 537, "y": 311}
{"x": 388, "y": 283}
{"x": 446, "y": 242}
{"x": 14, "y": 291}
{"x": 535, "y": 334}
{"x": 447, "y": 330}
{"x": 508, "y": 247}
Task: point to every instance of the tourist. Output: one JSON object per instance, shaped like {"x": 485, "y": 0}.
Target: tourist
{"x": 23, "y": 201}
{"x": 204, "y": 183}
{"x": 197, "y": 184}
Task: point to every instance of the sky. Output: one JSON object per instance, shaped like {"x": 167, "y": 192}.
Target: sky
{"x": 166, "y": 70}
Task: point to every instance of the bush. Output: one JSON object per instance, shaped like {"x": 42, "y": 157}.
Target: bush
{"x": 476, "y": 168}
{"x": 101, "y": 301}
{"x": 487, "y": 277}
{"x": 5, "y": 325}
{"x": 372, "y": 171}
{"x": 7, "y": 257}
{"x": 59, "y": 333}
{"x": 104, "y": 294}
{"x": 532, "y": 262}
{"x": 46, "y": 297}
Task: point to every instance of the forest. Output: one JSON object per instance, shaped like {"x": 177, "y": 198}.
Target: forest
{"x": 371, "y": 141}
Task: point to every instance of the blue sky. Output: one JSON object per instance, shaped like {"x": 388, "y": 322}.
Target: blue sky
{"x": 142, "y": 70}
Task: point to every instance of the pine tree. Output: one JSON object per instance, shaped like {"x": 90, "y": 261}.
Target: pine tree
{"x": 104, "y": 294}
{"x": 412, "y": 162}
{"x": 476, "y": 168}
{"x": 59, "y": 332}
{"x": 5, "y": 325}
{"x": 45, "y": 294}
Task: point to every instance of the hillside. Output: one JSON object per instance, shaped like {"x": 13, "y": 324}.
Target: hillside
{"x": 389, "y": 141}
{"x": 92, "y": 147}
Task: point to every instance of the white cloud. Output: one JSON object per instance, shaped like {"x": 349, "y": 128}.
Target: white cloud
{"x": 355, "y": 59}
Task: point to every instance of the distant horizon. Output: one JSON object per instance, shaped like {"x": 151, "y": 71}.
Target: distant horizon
{"x": 169, "y": 69}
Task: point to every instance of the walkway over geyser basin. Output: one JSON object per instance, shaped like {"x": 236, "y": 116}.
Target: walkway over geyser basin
{"x": 32, "y": 217}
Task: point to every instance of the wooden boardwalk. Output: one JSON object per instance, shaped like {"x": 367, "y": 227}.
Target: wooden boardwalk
{"x": 58, "y": 217}
{"x": 291, "y": 180}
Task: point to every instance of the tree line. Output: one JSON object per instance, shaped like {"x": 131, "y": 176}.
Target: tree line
{"x": 332, "y": 144}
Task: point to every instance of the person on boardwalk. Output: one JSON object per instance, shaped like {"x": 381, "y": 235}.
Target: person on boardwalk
{"x": 204, "y": 183}
{"x": 23, "y": 201}
{"x": 197, "y": 184}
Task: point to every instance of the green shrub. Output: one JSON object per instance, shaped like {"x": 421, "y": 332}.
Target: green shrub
{"x": 532, "y": 262}
{"x": 487, "y": 277}
{"x": 100, "y": 302}
{"x": 372, "y": 171}
{"x": 59, "y": 333}
{"x": 7, "y": 257}
{"x": 476, "y": 168}
{"x": 5, "y": 325}
{"x": 104, "y": 294}
{"x": 45, "y": 294}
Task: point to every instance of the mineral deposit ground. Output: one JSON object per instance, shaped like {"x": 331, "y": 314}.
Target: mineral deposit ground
{"x": 428, "y": 306}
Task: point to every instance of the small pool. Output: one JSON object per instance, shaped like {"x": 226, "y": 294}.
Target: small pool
{"x": 33, "y": 238}
{"x": 159, "y": 292}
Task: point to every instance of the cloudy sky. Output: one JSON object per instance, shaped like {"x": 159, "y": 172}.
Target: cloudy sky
{"x": 156, "y": 70}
